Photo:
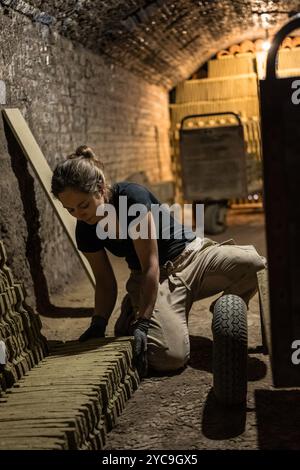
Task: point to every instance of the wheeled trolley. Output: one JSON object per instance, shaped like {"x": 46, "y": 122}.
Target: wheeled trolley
{"x": 213, "y": 163}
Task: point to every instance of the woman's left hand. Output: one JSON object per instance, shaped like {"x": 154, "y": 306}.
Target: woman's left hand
{"x": 140, "y": 360}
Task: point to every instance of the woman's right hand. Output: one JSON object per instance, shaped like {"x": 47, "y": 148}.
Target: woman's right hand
{"x": 95, "y": 330}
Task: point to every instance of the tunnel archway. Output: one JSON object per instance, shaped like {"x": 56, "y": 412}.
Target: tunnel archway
{"x": 100, "y": 72}
{"x": 162, "y": 40}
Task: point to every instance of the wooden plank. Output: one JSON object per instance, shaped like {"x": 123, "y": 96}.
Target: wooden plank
{"x": 263, "y": 289}
{"x": 33, "y": 153}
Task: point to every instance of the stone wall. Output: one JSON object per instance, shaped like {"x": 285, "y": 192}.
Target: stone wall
{"x": 69, "y": 96}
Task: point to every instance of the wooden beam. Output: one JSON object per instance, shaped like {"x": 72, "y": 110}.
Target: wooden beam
{"x": 34, "y": 155}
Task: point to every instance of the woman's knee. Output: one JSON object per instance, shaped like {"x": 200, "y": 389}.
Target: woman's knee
{"x": 245, "y": 261}
{"x": 165, "y": 361}
{"x": 123, "y": 323}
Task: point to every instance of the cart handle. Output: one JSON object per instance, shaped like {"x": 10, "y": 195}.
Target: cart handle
{"x": 210, "y": 114}
{"x": 294, "y": 23}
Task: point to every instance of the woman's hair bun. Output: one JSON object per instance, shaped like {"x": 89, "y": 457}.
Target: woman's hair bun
{"x": 85, "y": 151}
{"x": 81, "y": 170}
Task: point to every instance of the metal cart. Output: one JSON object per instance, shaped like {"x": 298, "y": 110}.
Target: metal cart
{"x": 213, "y": 164}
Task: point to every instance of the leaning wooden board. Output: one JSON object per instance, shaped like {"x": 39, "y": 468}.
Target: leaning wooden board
{"x": 33, "y": 153}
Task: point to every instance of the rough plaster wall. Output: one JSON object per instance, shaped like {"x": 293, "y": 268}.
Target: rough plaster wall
{"x": 12, "y": 223}
{"x": 69, "y": 96}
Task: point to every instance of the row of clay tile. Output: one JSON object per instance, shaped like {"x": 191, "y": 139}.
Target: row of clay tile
{"x": 20, "y": 328}
{"x": 72, "y": 399}
{"x": 217, "y": 88}
{"x": 247, "y": 106}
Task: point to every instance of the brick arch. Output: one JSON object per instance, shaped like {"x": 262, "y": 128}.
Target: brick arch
{"x": 162, "y": 41}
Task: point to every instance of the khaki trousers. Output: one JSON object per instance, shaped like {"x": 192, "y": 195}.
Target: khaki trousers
{"x": 203, "y": 269}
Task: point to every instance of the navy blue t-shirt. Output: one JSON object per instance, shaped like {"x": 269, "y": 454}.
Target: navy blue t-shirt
{"x": 168, "y": 247}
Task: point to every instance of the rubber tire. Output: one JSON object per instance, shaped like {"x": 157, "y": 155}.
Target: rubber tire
{"x": 215, "y": 219}
{"x": 230, "y": 350}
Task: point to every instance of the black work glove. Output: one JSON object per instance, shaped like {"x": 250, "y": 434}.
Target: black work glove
{"x": 140, "y": 330}
{"x": 95, "y": 330}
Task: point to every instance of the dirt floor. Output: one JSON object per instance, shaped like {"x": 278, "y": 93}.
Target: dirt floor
{"x": 179, "y": 411}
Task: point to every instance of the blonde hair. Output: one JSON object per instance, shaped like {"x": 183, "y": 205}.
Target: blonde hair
{"x": 82, "y": 171}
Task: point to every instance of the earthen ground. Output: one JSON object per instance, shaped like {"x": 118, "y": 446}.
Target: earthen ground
{"x": 179, "y": 411}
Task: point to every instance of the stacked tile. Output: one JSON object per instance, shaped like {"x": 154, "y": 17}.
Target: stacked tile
{"x": 231, "y": 65}
{"x": 232, "y": 86}
{"x": 247, "y": 47}
{"x": 253, "y": 137}
{"x": 296, "y": 41}
{"x": 222, "y": 88}
{"x": 289, "y": 62}
{"x": 19, "y": 328}
{"x": 253, "y": 155}
{"x": 71, "y": 399}
{"x": 247, "y": 107}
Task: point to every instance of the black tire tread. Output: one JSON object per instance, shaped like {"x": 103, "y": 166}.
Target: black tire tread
{"x": 230, "y": 349}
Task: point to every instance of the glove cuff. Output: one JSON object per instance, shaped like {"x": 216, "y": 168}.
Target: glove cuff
{"x": 99, "y": 321}
{"x": 142, "y": 324}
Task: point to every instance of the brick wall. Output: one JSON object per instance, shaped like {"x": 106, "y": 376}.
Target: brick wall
{"x": 69, "y": 96}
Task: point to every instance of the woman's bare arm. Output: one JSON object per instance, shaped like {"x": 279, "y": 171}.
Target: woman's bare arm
{"x": 106, "y": 284}
{"x": 147, "y": 252}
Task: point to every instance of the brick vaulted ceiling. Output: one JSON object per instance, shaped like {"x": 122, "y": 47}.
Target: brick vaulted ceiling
{"x": 163, "y": 40}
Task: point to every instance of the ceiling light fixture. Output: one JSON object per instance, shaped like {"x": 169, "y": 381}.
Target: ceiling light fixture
{"x": 266, "y": 44}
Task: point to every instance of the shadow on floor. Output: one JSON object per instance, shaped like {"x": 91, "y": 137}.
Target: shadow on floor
{"x": 278, "y": 418}
{"x": 51, "y": 311}
{"x": 201, "y": 353}
{"x": 201, "y": 358}
{"x": 220, "y": 422}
